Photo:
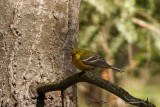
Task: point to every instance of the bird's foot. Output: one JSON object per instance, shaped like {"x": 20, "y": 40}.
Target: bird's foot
{"x": 82, "y": 72}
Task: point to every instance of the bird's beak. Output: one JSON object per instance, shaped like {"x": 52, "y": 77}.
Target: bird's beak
{"x": 71, "y": 54}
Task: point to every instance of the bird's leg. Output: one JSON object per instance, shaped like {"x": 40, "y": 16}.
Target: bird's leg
{"x": 82, "y": 72}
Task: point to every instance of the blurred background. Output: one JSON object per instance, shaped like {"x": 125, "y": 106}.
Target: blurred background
{"x": 127, "y": 34}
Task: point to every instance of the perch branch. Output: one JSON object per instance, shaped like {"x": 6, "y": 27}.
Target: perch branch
{"x": 89, "y": 77}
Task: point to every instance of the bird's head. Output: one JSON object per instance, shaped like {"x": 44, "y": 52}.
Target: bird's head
{"x": 76, "y": 51}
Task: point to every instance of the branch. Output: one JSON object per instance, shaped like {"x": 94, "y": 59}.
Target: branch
{"x": 92, "y": 79}
{"x": 145, "y": 25}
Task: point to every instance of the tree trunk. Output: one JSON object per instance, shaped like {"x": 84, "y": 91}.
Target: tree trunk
{"x": 36, "y": 37}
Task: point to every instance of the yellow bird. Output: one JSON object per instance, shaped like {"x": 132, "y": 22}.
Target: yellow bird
{"x": 87, "y": 60}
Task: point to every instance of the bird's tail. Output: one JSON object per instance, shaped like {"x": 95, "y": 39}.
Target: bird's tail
{"x": 116, "y": 69}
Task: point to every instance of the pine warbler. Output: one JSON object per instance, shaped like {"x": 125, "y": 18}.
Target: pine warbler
{"x": 87, "y": 60}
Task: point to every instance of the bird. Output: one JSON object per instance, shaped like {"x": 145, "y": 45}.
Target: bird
{"x": 87, "y": 60}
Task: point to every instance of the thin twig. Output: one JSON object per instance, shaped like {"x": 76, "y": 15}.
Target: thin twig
{"x": 62, "y": 96}
{"x": 145, "y": 25}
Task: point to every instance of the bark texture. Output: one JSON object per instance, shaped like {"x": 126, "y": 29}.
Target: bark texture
{"x": 35, "y": 41}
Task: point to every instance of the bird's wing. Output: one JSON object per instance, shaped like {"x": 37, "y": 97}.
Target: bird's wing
{"x": 95, "y": 60}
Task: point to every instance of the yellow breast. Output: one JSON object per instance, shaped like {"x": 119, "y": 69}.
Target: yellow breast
{"x": 79, "y": 64}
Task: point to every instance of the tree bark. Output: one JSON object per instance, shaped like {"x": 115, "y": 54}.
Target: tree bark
{"x": 35, "y": 41}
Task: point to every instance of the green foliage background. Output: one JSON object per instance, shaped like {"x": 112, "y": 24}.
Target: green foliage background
{"x": 127, "y": 32}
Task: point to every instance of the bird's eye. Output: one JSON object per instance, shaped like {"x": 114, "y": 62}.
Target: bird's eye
{"x": 74, "y": 53}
